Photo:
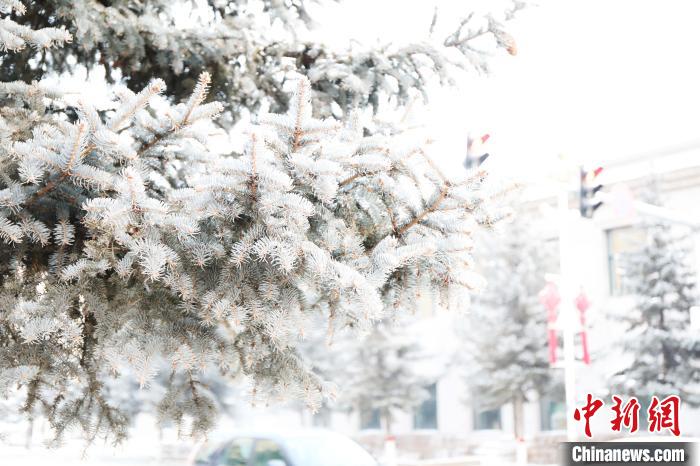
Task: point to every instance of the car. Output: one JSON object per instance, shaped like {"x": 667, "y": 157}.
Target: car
{"x": 303, "y": 447}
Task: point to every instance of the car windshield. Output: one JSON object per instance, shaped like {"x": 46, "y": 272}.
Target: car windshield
{"x": 324, "y": 450}
{"x": 205, "y": 451}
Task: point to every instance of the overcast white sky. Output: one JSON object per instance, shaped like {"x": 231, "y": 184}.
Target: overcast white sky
{"x": 593, "y": 79}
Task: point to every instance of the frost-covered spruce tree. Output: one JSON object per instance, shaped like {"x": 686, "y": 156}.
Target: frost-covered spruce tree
{"x": 128, "y": 249}
{"x": 663, "y": 350}
{"x": 506, "y": 354}
{"x": 250, "y": 48}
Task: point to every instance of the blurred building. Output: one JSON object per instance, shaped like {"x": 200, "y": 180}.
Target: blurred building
{"x": 452, "y": 421}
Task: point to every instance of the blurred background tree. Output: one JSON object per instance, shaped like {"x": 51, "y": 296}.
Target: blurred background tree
{"x": 382, "y": 374}
{"x": 506, "y": 356}
{"x": 662, "y": 349}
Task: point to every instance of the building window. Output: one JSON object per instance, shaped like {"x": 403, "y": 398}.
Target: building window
{"x": 370, "y": 419}
{"x": 620, "y": 243}
{"x": 425, "y": 416}
{"x": 322, "y": 418}
{"x": 695, "y": 318}
{"x": 552, "y": 414}
{"x": 487, "y": 419}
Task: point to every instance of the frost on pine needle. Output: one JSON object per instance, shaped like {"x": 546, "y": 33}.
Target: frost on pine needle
{"x": 131, "y": 255}
{"x": 14, "y": 36}
{"x": 251, "y": 49}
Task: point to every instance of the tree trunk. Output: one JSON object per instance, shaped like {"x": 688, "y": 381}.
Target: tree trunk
{"x": 386, "y": 414}
{"x": 518, "y": 416}
{"x": 28, "y": 436}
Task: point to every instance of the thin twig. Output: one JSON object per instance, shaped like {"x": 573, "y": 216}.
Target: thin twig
{"x": 50, "y": 186}
{"x": 297, "y": 124}
{"x": 432, "y": 208}
{"x": 349, "y": 180}
{"x": 254, "y": 172}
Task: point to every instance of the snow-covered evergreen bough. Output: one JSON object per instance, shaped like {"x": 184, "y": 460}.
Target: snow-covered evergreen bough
{"x": 129, "y": 249}
{"x": 250, "y": 48}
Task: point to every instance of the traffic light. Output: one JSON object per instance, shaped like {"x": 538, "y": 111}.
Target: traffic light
{"x": 590, "y": 186}
{"x": 476, "y": 153}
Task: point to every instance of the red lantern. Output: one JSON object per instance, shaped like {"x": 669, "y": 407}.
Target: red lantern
{"x": 582, "y": 304}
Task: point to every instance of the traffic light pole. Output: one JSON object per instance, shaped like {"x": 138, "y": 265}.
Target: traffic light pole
{"x": 566, "y": 310}
{"x": 590, "y": 199}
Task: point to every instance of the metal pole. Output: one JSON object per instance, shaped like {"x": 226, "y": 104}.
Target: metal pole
{"x": 566, "y": 286}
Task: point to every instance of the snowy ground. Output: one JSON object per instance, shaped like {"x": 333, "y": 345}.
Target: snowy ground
{"x": 146, "y": 447}
{"x": 150, "y": 447}
{"x": 20, "y": 456}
